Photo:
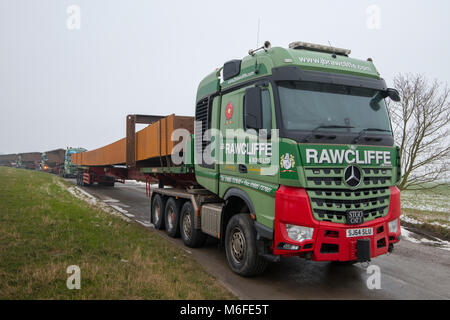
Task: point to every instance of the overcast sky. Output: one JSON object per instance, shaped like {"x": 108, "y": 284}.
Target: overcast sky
{"x": 73, "y": 87}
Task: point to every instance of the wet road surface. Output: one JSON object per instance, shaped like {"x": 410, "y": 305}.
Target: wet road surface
{"x": 412, "y": 271}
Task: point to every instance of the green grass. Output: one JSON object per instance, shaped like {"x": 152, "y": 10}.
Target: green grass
{"x": 432, "y": 200}
{"x": 44, "y": 229}
{"x": 431, "y": 207}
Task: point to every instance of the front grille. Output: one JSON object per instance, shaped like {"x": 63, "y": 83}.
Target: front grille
{"x": 332, "y": 205}
{"x": 202, "y": 121}
{"x": 201, "y": 124}
{"x": 333, "y": 177}
{"x": 331, "y": 198}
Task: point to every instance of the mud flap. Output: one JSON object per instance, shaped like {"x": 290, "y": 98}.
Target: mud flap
{"x": 363, "y": 250}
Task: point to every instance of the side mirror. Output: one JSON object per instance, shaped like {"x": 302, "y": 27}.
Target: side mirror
{"x": 393, "y": 94}
{"x": 253, "y": 108}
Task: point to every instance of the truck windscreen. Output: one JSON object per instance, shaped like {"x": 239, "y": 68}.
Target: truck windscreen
{"x": 321, "y": 107}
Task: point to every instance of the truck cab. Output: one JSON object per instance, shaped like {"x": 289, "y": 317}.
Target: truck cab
{"x": 70, "y": 170}
{"x": 298, "y": 144}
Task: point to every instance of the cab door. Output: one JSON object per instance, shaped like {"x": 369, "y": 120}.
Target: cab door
{"x": 248, "y": 154}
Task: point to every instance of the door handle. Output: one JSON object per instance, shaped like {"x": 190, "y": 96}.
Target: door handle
{"x": 242, "y": 168}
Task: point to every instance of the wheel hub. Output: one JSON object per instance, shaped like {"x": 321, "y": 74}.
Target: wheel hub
{"x": 157, "y": 214}
{"x": 238, "y": 245}
{"x": 171, "y": 218}
{"x": 187, "y": 225}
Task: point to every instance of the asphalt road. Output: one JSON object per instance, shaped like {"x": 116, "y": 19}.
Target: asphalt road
{"x": 412, "y": 271}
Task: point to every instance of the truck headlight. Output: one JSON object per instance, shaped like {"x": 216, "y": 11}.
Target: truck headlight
{"x": 298, "y": 233}
{"x": 393, "y": 226}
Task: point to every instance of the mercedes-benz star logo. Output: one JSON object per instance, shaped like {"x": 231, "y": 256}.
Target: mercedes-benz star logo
{"x": 352, "y": 176}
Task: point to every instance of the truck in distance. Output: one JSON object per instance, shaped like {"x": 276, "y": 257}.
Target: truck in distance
{"x": 69, "y": 169}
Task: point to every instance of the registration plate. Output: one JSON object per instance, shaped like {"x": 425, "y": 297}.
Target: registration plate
{"x": 351, "y": 233}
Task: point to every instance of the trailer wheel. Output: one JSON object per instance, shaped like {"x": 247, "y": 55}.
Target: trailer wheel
{"x": 80, "y": 180}
{"x": 240, "y": 247}
{"x": 158, "y": 206}
{"x": 192, "y": 237}
{"x": 172, "y": 217}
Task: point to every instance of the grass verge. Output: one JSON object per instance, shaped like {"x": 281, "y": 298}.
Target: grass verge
{"x": 44, "y": 229}
{"x": 428, "y": 222}
{"x": 428, "y": 210}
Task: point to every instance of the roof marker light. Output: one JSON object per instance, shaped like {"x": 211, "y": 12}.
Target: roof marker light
{"x": 318, "y": 47}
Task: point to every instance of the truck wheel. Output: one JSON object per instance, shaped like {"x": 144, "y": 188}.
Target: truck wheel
{"x": 172, "y": 216}
{"x": 240, "y": 247}
{"x": 158, "y": 206}
{"x": 192, "y": 237}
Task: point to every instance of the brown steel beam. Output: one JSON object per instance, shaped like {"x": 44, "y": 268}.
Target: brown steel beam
{"x": 132, "y": 119}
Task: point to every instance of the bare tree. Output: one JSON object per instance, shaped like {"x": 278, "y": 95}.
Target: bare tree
{"x": 421, "y": 122}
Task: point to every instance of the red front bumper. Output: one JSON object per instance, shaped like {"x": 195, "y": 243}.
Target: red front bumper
{"x": 329, "y": 241}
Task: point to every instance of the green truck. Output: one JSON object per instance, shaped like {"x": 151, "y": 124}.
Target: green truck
{"x": 295, "y": 148}
{"x": 70, "y": 170}
{"x": 292, "y": 155}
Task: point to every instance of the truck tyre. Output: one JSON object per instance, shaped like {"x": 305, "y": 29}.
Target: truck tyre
{"x": 172, "y": 216}
{"x": 192, "y": 237}
{"x": 80, "y": 180}
{"x": 158, "y": 206}
{"x": 240, "y": 247}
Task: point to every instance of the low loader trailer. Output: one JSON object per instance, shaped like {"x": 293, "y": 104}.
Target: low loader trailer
{"x": 290, "y": 153}
{"x": 53, "y": 161}
{"x": 29, "y": 160}
{"x": 9, "y": 160}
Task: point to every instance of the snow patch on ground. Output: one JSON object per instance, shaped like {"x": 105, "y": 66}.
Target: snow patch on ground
{"x": 407, "y": 219}
{"x": 416, "y": 238}
{"x": 438, "y": 201}
{"x": 408, "y": 235}
{"x": 145, "y": 224}
{"x": 93, "y": 201}
{"x": 110, "y": 200}
{"x": 411, "y": 220}
{"x": 423, "y": 207}
{"x": 121, "y": 210}
{"x": 134, "y": 182}
{"x": 440, "y": 225}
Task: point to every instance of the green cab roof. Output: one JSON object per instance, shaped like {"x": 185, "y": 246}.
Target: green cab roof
{"x": 278, "y": 57}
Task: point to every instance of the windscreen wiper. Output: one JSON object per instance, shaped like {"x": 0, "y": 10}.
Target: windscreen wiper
{"x": 309, "y": 136}
{"x": 363, "y": 131}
